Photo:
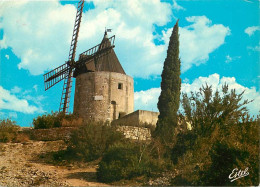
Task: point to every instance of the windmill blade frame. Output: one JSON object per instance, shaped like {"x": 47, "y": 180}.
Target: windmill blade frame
{"x": 71, "y": 67}
{"x": 55, "y": 76}
{"x": 65, "y": 97}
{"x": 96, "y": 51}
{"x": 92, "y": 51}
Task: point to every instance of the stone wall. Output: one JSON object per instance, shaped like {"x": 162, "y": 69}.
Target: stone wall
{"x": 148, "y": 117}
{"x": 138, "y": 118}
{"x": 135, "y": 133}
{"x": 131, "y": 119}
{"x": 63, "y": 133}
{"x": 53, "y": 134}
{"x": 103, "y": 96}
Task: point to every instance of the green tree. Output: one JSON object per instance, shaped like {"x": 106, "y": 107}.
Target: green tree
{"x": 205, "y": 109}
{"x": 169, "y": 99}
{"x": 223, "y": 137}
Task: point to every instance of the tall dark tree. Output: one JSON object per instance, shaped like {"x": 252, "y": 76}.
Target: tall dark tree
{"x": 169, "y": 99}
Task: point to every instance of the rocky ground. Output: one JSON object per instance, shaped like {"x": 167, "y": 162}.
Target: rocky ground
{"x": 20, "y": 165}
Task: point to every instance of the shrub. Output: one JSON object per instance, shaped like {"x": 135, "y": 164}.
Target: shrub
{"x": 91, "y": 140}
{"x": 184, "y": 142}
{"x": 207, "y": 109}
{"x": 51, "y": 120}
{"x": 21, "y": 138}
{"x": 47, "y": 121}
{"x": 126, "y": 161}
{"x": 237, "y": 149}
{"x": 224, "y": 137}
{"x": 224, "y": 159}
{"x": 8, "y": 130}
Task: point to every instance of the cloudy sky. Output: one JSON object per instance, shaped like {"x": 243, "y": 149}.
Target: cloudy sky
{"x": 219, "y": 42}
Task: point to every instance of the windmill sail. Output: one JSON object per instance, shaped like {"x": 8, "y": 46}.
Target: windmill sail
{"x": 65, "y": 98}
{"x": 54, "y": 76}
{"x": 99, "y": 58}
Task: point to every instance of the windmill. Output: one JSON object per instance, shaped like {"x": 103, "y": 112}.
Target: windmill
{"x": 71, "y": 67}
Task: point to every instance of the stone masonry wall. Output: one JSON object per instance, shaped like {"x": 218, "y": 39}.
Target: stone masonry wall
{"x": 53, "y": 134}
{"x": 138, "y": 118}
{"x": 148, "y": 117}
{"x": 63, "y": 133}
{"x": 135, "y": 133}
{"x": 131, "y": 119}
{"x": 103, "y": 96}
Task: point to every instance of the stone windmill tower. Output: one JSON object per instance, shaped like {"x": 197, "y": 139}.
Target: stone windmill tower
{"x": 103, "y": 91}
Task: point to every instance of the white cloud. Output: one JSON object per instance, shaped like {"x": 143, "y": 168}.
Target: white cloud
{"x": 16, "y": 89}
{"x": 186, "y": 80}
{"x": 217, "y": 83}
{"x": 36, "y": 99}
{"x": 35, "y": 87}
{"x": 37, "y": 32}
{"x": 198, "y": 40}
{"x": 42, "y": 40}
{"x": 8, "y": 101}
{"x": 251, "y": 30}
{"x": 148, "y": 99}
{"x": 176, "y": 6}
{"x": 12, "y": 114}
{"x": 133, "y": 24}
{"x": 255, "y": 48}
{"x": 230, "y": 59}
{"x": 248, "y": 1}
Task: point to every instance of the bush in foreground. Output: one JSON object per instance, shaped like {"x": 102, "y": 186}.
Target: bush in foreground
{"x": 223, "y": 137}
{"x": 8, "y": 130}
{"x": 127, "y": 161}
{"x": 90, "y": 141}
{"x": 52, "y": 120}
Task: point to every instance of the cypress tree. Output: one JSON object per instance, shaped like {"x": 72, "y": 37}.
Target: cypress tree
{"x": 169, "y": 99}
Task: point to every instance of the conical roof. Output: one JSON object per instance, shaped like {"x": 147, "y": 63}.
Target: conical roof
{"x": 105, "y": 61}
{"x": 108, "y": 61}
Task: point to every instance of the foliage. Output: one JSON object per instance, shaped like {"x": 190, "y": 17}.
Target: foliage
{"x": 8, "y": 130}
{"x": 223, "y": 137}
{"x": 91, "y": 140}
{"x": 127, "y": 161}
{"x": 206, "y": 110}
{"x": 224, "y": 159}
{"x": 52, "y": 120}
{"x": 168, "y": 103}
{"x": 185, "y": 141}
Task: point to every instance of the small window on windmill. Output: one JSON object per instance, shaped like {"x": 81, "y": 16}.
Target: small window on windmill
{"x": 120, "y": 86}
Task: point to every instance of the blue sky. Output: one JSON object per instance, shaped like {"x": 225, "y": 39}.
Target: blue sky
{"x": 219, "y": 42}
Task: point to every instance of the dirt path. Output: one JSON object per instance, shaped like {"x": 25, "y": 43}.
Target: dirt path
{"x": 73, "y": 177}
{"x": 19, "y": 167}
